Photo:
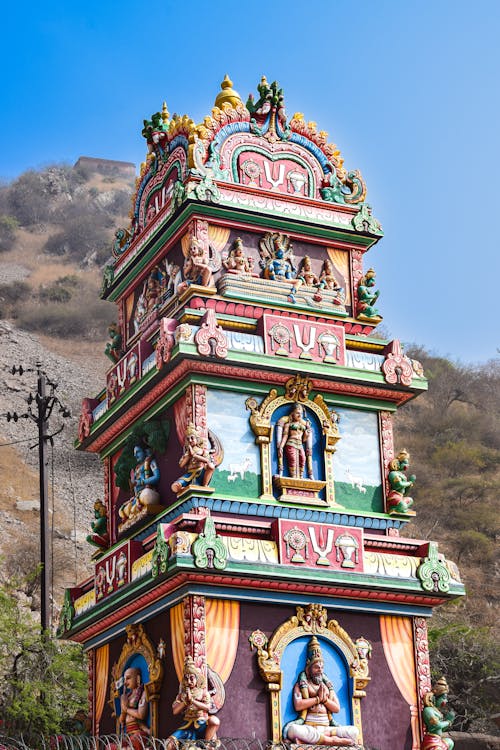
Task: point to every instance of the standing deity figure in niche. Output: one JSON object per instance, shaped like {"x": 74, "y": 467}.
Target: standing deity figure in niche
{"x": 294, "y": 438}
{"x": 397, "y": 499}
{"x": 315, "y": 700}
{"x": 143, "y": 480}
{"x": 196, "y": 460}
{"x": 437, "y": 718}
{"x": 194, "y": 703}
{"x": 236, "y": 261}
{"x": 134, "y": 709}
{"x": 152, "y": 289}
{"x": 367, "y": 297}
{"x": 141, "y": 309}
{"x": 196, "y": 268}
{"x": 114, "y": 348}
{"x": 278, "y": 267}
{"x": 99, "y": 536}
{"x": 328, "y": 281}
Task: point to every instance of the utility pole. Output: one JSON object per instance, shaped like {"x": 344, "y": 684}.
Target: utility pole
{"x": 45, "y": 404}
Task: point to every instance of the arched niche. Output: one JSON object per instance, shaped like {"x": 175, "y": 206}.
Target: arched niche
{"x": 264, "y": 421}
{"x": 139, "y": 652}
{"x": 282, "y": 657}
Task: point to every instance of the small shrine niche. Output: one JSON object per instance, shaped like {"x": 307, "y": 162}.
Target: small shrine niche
{"x": 138, "y": 656}
{"x": 297, "y": 437}
{"x": 285, "y": 662}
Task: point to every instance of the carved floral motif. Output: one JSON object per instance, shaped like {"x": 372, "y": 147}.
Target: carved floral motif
{"x": 397, "y": 367}
{"x": 210, "y": 339}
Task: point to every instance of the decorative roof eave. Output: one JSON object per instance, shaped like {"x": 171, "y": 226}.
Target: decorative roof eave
{"x": 276, "y": 580}
{"x": 142, "y": 250}
{"x": 149, "y": 393}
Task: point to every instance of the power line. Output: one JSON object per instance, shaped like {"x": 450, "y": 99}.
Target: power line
{"x": 44, "y": 401}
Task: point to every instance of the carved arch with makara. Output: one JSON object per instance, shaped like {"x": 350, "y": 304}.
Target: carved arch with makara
{"x": 139, "y": 644}
{"x": 310, "y": 620}
{"x": 281, "y": 166}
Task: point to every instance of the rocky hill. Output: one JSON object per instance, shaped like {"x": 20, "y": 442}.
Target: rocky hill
{"x": 56, "y": 228}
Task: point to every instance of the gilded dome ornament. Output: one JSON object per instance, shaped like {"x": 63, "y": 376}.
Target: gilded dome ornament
{"x": 227, "y": 94}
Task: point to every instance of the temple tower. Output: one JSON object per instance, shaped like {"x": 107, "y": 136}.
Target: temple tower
{"x": 250, "y": 524}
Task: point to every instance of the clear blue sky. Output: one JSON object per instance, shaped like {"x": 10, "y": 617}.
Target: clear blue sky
{"x": 408, "y": 90}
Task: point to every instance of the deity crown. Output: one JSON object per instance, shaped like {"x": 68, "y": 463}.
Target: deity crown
{"x": 313, "y": 651}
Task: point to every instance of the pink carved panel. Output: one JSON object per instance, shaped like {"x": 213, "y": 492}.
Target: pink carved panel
{"x": 317, "y": 545}
{"x": 303, "y": 339}
{"x": 127, "y": 371}
{"x": 114, "y": 569}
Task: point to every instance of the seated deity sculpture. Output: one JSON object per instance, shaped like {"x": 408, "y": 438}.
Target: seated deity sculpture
{"x": 236, "y": 261}
{"x": 328, "y": 281}
{"x": 196, "y": 460}
{"x": 305, "y": 277}
{"x": 315, "y": 700}
{"x": 144, "y": 479}
{"x": 196, "y": 269}
{"x": 278, "y": 267}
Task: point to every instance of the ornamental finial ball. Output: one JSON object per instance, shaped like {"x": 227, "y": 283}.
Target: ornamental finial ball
{"x": 227, "y": 94}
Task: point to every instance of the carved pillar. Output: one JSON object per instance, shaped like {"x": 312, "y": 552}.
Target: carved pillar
{"x": 422, "y": 665}
{"x": 387, "y": 445}
{"x": 196, "y": 408}
{"x": 90, "y": 691}
{"x": 122, "y": 323}
{"x": 108, "y": 499}
{"x": 194, "y": 631}
{"x": 199, "y": 229}
{"x": 356, "y": 274}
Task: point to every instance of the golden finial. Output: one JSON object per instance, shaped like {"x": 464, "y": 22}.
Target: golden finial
{"x": 165, "y": 114}
{"x": 227, "y": 94}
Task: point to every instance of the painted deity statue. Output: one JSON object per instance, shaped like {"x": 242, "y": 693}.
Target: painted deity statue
{"x": 194, "y": 703}
{"x": 236, "y": 261}
{"x": 196, "y": 460}
{"x": 134, "y": 709}
{"x": 99, "y": 536}
{"x": 305, "y": 277}
{"x": 294, "y": 436}
{"x": 367, "y": 297}
{"x": 398, "y": 500}
{"x": 437, "y": 718}
{"x": 278, "y": 268}
{"x": 114, "y": 347}
{"x": 144, "y": 478}
{"x": 328, "y": 281}
{"x": 196, "y": 269}
{"x": 315, "y": 700}
{"x": 152, "y": 289}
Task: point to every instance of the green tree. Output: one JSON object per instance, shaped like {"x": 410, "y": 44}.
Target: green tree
{"x": 8, "y": 226}
{"x": 42, "y": 680}
{"x": 468, "y": 657}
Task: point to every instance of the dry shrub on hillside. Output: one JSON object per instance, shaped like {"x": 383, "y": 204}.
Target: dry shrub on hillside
{"x": 8, "y": 226}
{"x": 84, "y": 315}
